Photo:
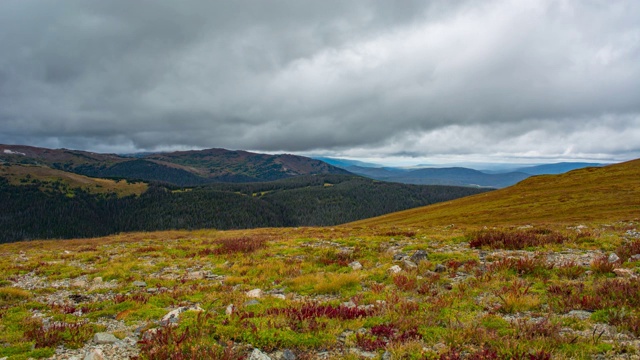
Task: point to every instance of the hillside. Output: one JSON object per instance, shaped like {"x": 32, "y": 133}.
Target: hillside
{"x": 183, "y": 168}
{"x": 40, "y": 202}
{"x": 547, "y": 269}
{"x": 591, "y": 194}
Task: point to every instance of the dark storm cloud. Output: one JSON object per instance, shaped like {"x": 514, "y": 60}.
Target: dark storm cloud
{"x": 357, "y": 78}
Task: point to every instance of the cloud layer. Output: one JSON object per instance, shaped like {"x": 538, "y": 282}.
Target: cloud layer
{"x": 511, "y": 79}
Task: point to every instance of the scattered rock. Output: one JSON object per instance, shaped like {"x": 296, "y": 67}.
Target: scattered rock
{"x": 251, "y": 302}
{"x": 613, "y": 257}
{"x": 104, "y": 338}
{"x": 255, "y": 293}
{"x": 174, "y": 315}
{"x": 356, "y": 265}
{"x": 288, "y": 355}
{"x": 230, "y": 309}
{"x": 635, "y": 257}
{"x": 626, "y": 273}
{"x": 152, "y": 290}
{"x": 195, "y": 275}
{"x": 94, "y": 354}
{"x": 399, "y": 256}
{"x": 79, "y": 283}
{"x": 349, "y": 304}
{"x": 394, "y": 269}
{"x": 77, "y": 298}
{"x": 364, "y": 354}
{"x": 419, "y": 255}
{"x": 580, "y": 314}
{"x": 440, "y": 268}
{"x": 387, "y": 356}
{"x": 139, "y": 283}
{"x": 97, "y": 280}
{"x": 409, "y": 265}
{"x": 258, "y": 355}
{"x": 279, "y": 296}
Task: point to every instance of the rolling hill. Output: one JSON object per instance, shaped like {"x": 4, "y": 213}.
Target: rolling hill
{"x": 183, "y": 168}
{"x": 589, "y": 194}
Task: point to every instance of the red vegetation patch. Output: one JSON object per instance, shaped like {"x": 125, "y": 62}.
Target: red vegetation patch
{"x": 515, "y": 239}
{"x": 627, "y": 250}
{"x": 379, "y": 336}
{"x": 245, "y": 245}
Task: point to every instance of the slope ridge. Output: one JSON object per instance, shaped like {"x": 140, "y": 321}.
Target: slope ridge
{"x": 590, "y": 194}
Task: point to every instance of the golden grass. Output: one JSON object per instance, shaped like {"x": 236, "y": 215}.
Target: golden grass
{"x": 610, "y": 193}
{"x": 94, "y": 185}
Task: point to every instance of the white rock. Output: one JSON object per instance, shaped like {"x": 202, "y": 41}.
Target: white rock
{"x": 279, "y": 296}
{"x": 139, "y": 283}
{"x": 258, "y": 355}
{"x": 395, "y": 269}
{"x": 174, "y": 315}
{"x": 255, "y": 293}
{"x": 613, "y": 257}
{"x": 94, "y": 354}
{"x": 230, "y": 309}
{"x": 104, "y": 338}
{"x": 409, "y": 265}
{"x": 356, "y": 265}
{"x": 627, "y": 273}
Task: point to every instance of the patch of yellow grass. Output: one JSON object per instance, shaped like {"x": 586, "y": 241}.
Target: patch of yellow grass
{"x": 610, "y": 193}
{"x": 94, "y": 185}
{"x": 325, "y": 283}
{"x": 11, "y": 293}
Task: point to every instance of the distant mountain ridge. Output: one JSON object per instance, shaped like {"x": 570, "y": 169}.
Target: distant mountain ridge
{"x": 457, "y": 175}
{"x": 182, "y": 168}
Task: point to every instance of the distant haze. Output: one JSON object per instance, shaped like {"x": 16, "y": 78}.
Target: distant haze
{"x": 520, "y": 81}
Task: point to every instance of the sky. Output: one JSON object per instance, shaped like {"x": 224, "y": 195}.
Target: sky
{"x": 394, "y": 82}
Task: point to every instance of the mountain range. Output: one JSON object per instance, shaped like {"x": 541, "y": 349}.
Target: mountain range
{"x": 461, "y": 176}
{"x": 182, "y": 168}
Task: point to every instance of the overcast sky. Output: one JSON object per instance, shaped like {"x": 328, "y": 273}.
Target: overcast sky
{"x": 407, "y": 81}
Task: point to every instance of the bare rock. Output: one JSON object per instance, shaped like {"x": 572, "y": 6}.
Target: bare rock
{"x": 363, "y": 354}
{"x": 139, "y": 283}
{"x": 256, "y": 354}
{"x": 195, "y": 275}
{"x": 174, "y": 315}
{"x": 440, "y": 268}
{"x": 255, "y": 293}
{"x": 356, "y": 265}
{"x": 419, "y": 255}
{"x": 395, "y": 269}
{"x": 409, "y": 265}
{"x": 104, "y": 338}
{"x": 580, "y": 314}
{"x": 230, "y": 309}
{"x": 625, "y": 273}
{"x": 399, "y": 256}
{"x": 94, "y": 354}
{"x": 613, "y": 257}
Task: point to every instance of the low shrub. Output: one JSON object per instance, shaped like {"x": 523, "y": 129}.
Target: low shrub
{"x": 515, "y": 239}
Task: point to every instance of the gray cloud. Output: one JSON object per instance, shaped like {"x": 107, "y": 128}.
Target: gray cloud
{"x": 543, "y": 79}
